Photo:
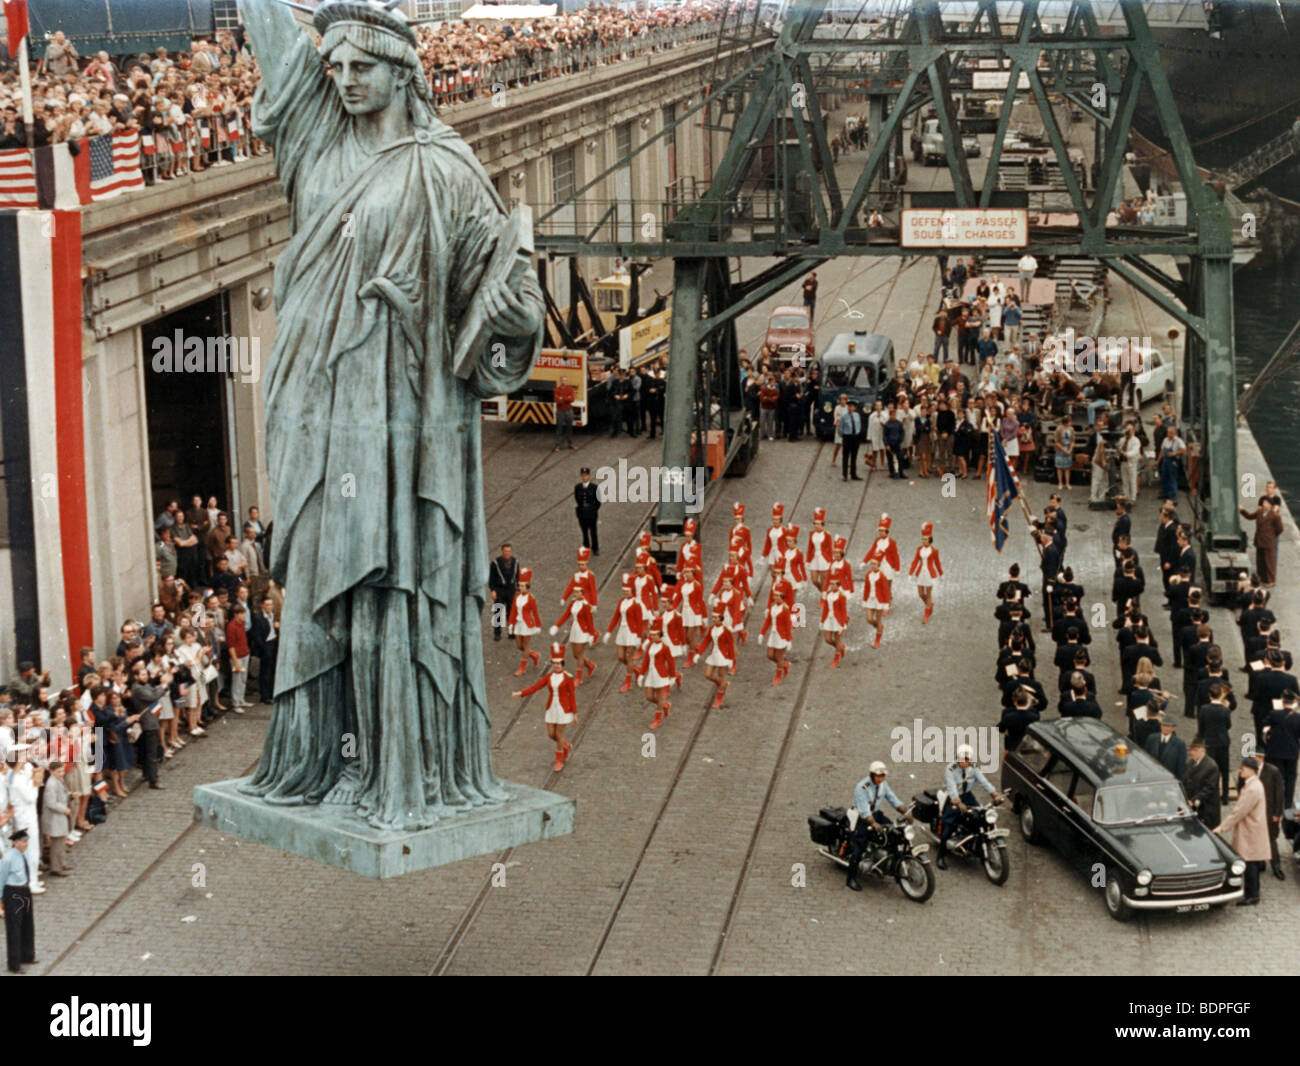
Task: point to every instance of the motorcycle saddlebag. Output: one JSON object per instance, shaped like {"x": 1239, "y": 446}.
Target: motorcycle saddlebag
{"x": 822, "y": 831}
{"x": 927, "y": 807}
{"x": 833, "y": 814}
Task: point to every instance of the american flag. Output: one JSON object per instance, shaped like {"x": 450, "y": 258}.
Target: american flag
{"x": 17, "y": 179}
{"x": 115, "y": 164}
{"x": 1003, "y": 487}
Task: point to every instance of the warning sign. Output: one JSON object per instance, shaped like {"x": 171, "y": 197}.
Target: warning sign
{"x": 965, "y": 227}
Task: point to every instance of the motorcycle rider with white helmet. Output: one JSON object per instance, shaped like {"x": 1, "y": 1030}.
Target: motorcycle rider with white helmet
{"x": 869, "y": 796}
{"x": 959, "y": 779}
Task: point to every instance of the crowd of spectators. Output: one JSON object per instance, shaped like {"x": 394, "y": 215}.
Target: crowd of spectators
{"x": 215, "y": 620}
{"x": 193, "y": 108}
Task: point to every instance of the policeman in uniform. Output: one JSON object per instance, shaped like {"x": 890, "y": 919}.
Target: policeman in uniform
{"x": 959, "y": 779}
{"x": 869, "y": 796}
{"x": 20, "y": 928}
{"x": 586, "y": 498}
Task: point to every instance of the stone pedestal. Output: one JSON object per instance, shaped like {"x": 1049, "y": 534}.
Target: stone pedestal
{"x": 338, "y": 837}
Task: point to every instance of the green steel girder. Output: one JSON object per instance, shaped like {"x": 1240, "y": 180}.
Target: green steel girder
{"x": 1114, "y": 143}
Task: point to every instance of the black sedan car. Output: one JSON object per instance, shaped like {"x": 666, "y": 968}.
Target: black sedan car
{"x": 1118, "y": 816}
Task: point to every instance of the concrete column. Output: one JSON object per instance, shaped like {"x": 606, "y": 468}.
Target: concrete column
{"x": 683, "y": 366}
{"x": 248, "y": 458}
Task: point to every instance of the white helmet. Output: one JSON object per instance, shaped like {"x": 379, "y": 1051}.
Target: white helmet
{"x": 878, "y": 767}
{"x": 965, "y": 751}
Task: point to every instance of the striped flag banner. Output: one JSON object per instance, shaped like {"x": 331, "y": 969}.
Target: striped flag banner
{"x": 1003, "y": 488}
{"x": 115, "y": 164}
{"x": 17, "y": 179}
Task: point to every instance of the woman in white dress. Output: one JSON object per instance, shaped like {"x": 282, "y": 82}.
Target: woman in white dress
{"x": 193, "y": 655}
{"x": 876, "y": 435}
{"x": 996, "y": 300}
{"x": 841, "y": 409}
{"x": 908, "y": 417}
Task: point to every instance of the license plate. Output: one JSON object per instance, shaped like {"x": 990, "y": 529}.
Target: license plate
{"x": 1189, "y": 907}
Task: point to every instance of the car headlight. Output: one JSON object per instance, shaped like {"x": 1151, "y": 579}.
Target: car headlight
{"x": 826, "y": 407}
{"x": 990, "y": 816}
{"x": 908, "y": 832}
{"x": 1144, "y": 877}
{"x": 1238, "y": 867}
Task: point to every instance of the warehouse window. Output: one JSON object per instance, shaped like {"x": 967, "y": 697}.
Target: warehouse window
{"x": 225, "y": 14}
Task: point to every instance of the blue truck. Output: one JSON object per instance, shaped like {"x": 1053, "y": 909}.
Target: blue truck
{"x": 126, "y": 27}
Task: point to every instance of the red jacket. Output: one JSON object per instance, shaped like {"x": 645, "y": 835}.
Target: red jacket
{"x": 775, "y": 593}
{"x": 662, "y": 656}
{"x": 819, "y": 544}
{"x": 931, "y": 563}
{"x": 692, "y": 592}
{"x": 674, "y": 631}
{"x": 773, "y": 541}
{"x": 840, "y": 607}
{"x": 779, "y": 615}
{"x": 884, "y": 549}
{"x": 733, "y": 605}
{"x": 645, "y": 588}
{"x": 844, "y": 571}
{"x": 652, "y": 568}
{"x": 740, "y": 531}
{"x": 691, "y": 553}
{"x": 739, "y": 581}
{"x": 876, "y": 580}
{"x": 587, "y": 580}
{"x": 531, "y": 617}
{"x": 720, "y": 635}
{"x": 581, "y": 614}
{"x": 795, "y": 571}
{"x": 565, "y": 692}
{"x": 635, "y": 616}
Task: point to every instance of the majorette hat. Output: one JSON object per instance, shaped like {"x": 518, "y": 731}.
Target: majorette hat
{"x": 584, "y": 554}
{"x": 643, "y": 559}
{"x": 644, "y": 540}
{"x": 656, "y": 626}
{"x": 736, "y": 545}
{"x": 557, "y": 653}
{"x": 778, "y": 509}
{"x": 627, "y": 582}
{"x": 738, "y": 510}
{"x": 690, "y": 526}
{"x": 779, "y": 564}
{"x": 885, "y": 522}
{"x": 927, "y": 529}
{"x": 667, "y": 590}
{"x": 525, "y": 575}
{"x": 792, "y": 531}
{"x": 840, "y": 544}
{"x": 819, "y": 514}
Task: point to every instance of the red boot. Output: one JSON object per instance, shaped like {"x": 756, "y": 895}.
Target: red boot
{"x": 591, "y": 667}
{"x": 879, "y": 633}
{"x": 717, "y": 700}
{"x": 667, "y": 707}
{"x": 523, "y": 666}
{"x": 568, "y": 748}
{"x": 627, "y": 684}
{"x": 535, "y": 657}
{"x": 835, "y": 660}
{"x": 731, "y": 669}
{"x": 780, "y": 673}
{"x": 659, "y": 720}
{"x": 929, "y": 610}
{"x": 559, "y": 761}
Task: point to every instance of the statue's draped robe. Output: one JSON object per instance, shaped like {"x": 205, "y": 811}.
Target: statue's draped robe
{"x": 373, "y": 453}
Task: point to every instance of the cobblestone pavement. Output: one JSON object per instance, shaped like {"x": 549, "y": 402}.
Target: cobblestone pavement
{"x": 669, "y": 870}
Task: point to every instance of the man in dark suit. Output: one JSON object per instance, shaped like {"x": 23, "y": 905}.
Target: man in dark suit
{"x": 264, "y": 640}
{"x": 1078, "y": 704}
{"x": 1123, "y": 526}
{"x": 1282, "y": 742}
{"x": 1167, "y": 748}
{"x": 1269, "y": 684}
{"x": 586, "y": 499}
{"x": 1055, "y": 512}
{"x": 1201, "y": 783}
{"x": 143, "y": 697}
{"x": 1271, "y": 778}
{"x": 1214, "y": 723}
{"x": 1050, "y": 566}
{"x": 850, "y": 428}
{"x": 1070, "y": 622}
{"x": 503, "y": 582}
{"x": 1185, "y": 559}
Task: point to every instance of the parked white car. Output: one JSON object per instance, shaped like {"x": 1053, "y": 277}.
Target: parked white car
{"x": 1156, "y": 377}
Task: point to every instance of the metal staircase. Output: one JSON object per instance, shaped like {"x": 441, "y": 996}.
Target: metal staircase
{"x": 1264, "y": 158}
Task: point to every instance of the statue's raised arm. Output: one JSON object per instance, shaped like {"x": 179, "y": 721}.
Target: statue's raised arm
{"x": 273, "y": 32}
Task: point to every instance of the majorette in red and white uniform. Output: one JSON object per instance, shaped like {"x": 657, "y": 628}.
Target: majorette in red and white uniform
{"x": 774, "y": 538}
{"x": 796, "y": 571}
{"x": 628, "y": 620}
{"x": 691, "y": 552}
{"x": 732, "y": 603}
{"x": 876, "y": 591}
{"x": 885, "y": 550}
{"x": 658, "y": 668}
{"x": 926, "y": 568}
{"x": 740, "y": 531}
{"x": 652, "y": 567}
{"x": 779, "y": 583}
{"x": 524, "y": 620}
{"x": 818, "y": 555}
{"x": 582, "y": 577}
{"x": 582, "y": 629}
{"x": 694, "y": 612}
{"x": 779, "y": 623}
{"x": 841, "y": 568}
{"x": 719, "y": 644}
{"x": 561, "y": 696}
{"x": 739, "y": 575}
{"x": 645, "y": 585}
{"x": 835, "y": 611}
{"x": 672, "y": 622}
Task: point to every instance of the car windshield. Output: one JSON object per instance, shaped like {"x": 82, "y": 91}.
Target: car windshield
{"x": 1149, "y": 802}
{"x": 849, "y": 377}
{"x": 788, "y": 322}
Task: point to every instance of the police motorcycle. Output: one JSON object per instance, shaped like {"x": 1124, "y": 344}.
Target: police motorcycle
{"x": 891, "y": 853}
{"x": 975, "y": 836}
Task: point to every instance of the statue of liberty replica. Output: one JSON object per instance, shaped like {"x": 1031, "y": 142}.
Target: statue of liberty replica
{"x": 402, "y": 299}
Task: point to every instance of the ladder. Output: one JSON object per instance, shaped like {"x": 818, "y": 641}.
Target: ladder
{"x": 1264, "y": 158}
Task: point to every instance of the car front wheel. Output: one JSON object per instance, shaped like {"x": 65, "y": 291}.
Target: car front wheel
{"x": 1028, "y": 825}
{"x": 1114, "y": 894}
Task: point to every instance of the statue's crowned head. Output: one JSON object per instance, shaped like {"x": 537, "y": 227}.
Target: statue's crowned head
{"x": 349, "y": 27}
